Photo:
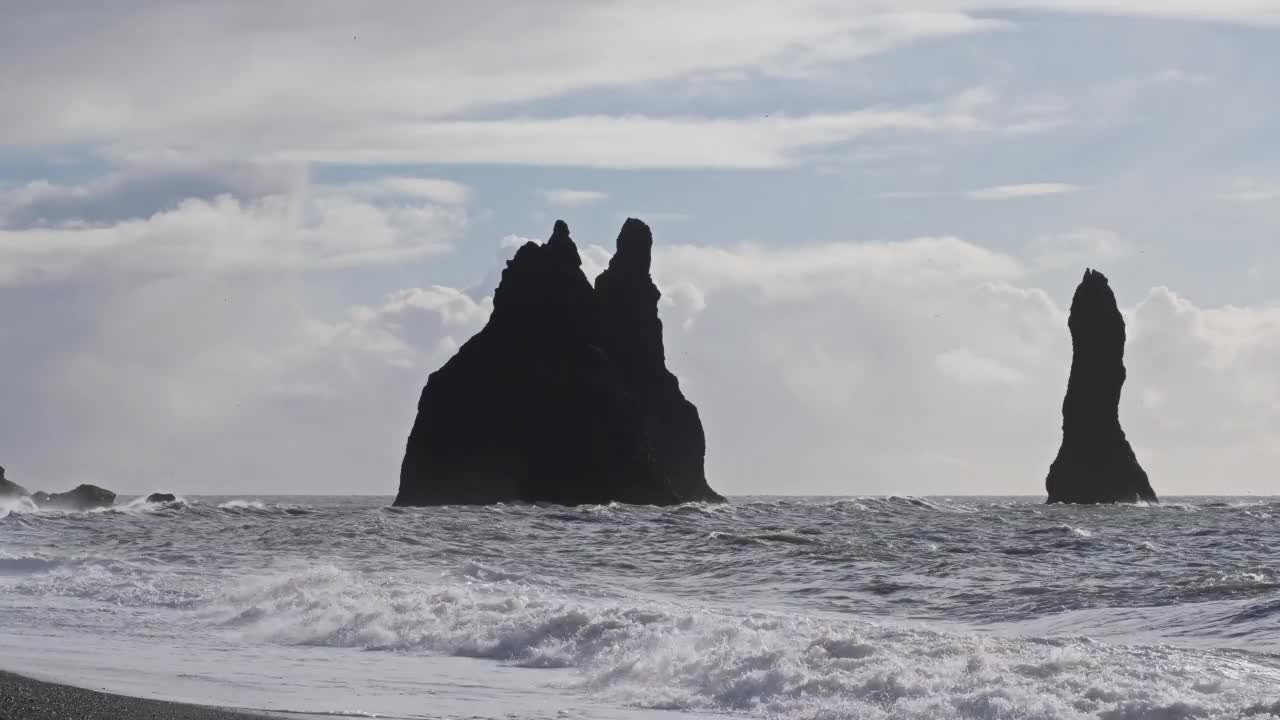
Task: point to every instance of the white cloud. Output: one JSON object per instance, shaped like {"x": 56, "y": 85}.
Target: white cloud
{"x": 618, "y": 141}
{"x": 446, "y": 192}
{"x": 573, "y": 198}
{"x": 966, "y": 366}
{"x": 299, "y": 228}
{"x": 806, "y": 270}
{"x": 865, "y": 362}
{"x": 373, "y": 71}
{"x": 1025, "y": 190}
{"x": 1085, "y": 247}
{"x": 513, "y": 242}
{"x": 1252, "y": 190}
{"x": 997, "y": 192}
{"x": 141, "y": 190}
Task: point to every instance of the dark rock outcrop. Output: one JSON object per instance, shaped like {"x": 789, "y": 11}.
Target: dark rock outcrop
{"x": 1095, "y": 463}
{"x": 83, "y": 497}
{"x": 8, "y": 488}
{"x": 162, "y": 498}
{"x": 563, "y": 397}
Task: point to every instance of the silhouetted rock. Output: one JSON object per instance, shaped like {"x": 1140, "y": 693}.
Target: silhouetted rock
{"x": 1095, "y": 463}
{"x": 161, "y": 498}
{"x": 563, "y": 397}
{"x": 83, "y": 497}
{"x": 8, "y": 488}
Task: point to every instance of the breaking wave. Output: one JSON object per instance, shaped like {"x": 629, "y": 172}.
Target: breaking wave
{"x": 664, "y": 656}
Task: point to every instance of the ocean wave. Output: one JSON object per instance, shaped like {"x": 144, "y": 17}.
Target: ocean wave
{"x": 10, "y": 565}
{"x": 15, "y": 505}
{"x": 652, "y": 654}
{"x": 107, "y": 581}
{"x": 257, "y": 507}
{"x": 1069, "y": 530}
{"x": 898, "y": 503}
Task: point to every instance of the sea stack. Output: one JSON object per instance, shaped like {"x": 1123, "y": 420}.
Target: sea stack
{"x": 8, "y": 488}
{"x": 564, "y": 396}
{"x": 1095, "y": 463}
{"x": 82, "y": 497}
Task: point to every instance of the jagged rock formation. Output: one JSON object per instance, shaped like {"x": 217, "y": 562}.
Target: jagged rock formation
{"x": 161, "y": 498}
{"x": 83, "y": 497}
{"x": 8, "y": 488}
{"x": 1095, "y": 463}
{"x": 563, "y": 397}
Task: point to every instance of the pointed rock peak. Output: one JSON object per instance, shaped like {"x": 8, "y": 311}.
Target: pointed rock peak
{"x": 524, "y": 253}
{"x": 1095, "y": 298}
{"x": 561, "y": 246}
{"x": 1094, "y": 277}
{"x": 635, "y": 247}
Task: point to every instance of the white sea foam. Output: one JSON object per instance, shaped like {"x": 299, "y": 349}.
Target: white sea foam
{"x": 659, "y": 655}
{"x": 243, "y": 505}
{"x": 257, "y": 507}
{"x": 10, "y": 504}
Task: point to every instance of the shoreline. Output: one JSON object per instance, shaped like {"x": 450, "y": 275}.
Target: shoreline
{"x": 24, "y": 698}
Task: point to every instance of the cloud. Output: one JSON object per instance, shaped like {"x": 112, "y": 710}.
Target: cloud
{"x": 1025, "y": 190}
{"x": 302, "y": 227}
{"x": 445, "y": 192}
{"x": 1251, "y": 190}
{"x": 573, "y": 198}
{"x": 966, "y": 366}
{"x": 375, "y": 71}
{"x": 140, "y": 191}
{"x": 998, "y": 192}
{"x": 865, "y": 363}
{"x": 607, "y": 141}
{"x": 805, "y": 270}
{"x": 1085, "y": 247}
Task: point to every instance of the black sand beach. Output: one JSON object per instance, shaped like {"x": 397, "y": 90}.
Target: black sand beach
{"x": 22, "y": 698}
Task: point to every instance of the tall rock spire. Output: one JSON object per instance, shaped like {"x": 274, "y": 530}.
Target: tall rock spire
{"x": 1095, "y": 463}
{"x": 563, "y": 396}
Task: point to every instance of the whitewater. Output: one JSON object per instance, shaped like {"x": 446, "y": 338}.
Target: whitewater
{"x": 766, "y": 607}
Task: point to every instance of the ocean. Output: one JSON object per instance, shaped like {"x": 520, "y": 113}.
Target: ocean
{"x": 884, "y": 607}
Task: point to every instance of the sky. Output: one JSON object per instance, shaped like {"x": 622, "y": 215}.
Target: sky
{"x": 235, "y": 238}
